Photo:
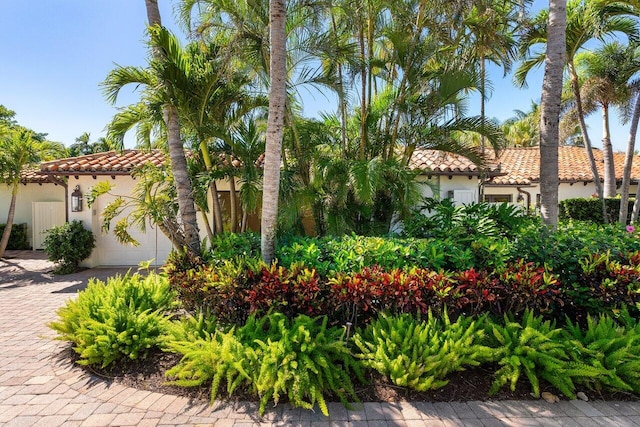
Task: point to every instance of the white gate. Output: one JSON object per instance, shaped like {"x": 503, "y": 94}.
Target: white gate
{"x": 45, "y": 215}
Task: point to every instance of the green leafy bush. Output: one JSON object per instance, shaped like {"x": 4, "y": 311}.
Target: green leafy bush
{"x": 537, "y": 349}
{"x": 231, "y": 245}
{"x": 215, "y": 357}
{"x": 123, "y": 317}
{"x": 466, "y": 222}
{"x": 590, "y": 209}
{"x": 420, "y": 354}
{"x": 18, "y": 239}
{"x": 561, "y": 250}
{"x": 301, "y": 358}
{"x": 606, "y": 284}
{"x": 609, "y": 347}
{"x": 69, "y": 244}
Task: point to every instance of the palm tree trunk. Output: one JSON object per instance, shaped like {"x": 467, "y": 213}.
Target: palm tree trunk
{"x": 217, "y": 209}
{"x": 363, "y": 94}
{"x": 585, "y": 136}
{"x": 245, "y": 220}
{"x": 12, "y": 211}
{"x": 275, "y": 121}
{"x": 550, "y": 111}
{"x": 628, "y": 163}
{"x": 233, "y": 200}
{"x": 153, "y": 13}
{"x": 340, "y": 89}
{"x": 483, "y": 76}
{"x": 583, "y": 129}
{"x": 207, "y": 225}
{"x": 607, "y": 154}
{"x": 186, "y": 205}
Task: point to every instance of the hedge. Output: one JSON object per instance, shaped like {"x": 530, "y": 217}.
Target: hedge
{"x": 18, "y": 238}
{"x": 590, "y": 209}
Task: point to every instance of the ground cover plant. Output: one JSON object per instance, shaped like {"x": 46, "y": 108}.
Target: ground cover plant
{"x": 124, "y": 317}
{"x": 333, "y": 314}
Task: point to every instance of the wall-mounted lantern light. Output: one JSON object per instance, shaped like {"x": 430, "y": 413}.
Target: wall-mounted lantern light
{"x": 76, "y": 200}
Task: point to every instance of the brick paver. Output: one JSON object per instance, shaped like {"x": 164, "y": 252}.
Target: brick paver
{"x": 38, "y": 387}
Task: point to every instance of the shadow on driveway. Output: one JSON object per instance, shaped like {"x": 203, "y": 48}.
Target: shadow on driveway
{"x": 31, "y": 268}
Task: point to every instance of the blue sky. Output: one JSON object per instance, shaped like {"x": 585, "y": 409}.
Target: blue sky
{"x": 56, "y": 52}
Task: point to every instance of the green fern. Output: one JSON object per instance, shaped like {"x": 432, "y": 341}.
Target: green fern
{"x": 219, "y": 356}
{"x": 301, "y": 358}
{"x": 610, "y": 347}
{"x": 123, "y": 317}
{"x": 537, "y": 349}
{"x": 420, "y": 354}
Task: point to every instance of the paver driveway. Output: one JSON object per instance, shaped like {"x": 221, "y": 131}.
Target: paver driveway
{"x": 37, "y": 387}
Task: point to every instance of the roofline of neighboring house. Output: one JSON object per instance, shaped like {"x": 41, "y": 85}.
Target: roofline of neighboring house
{"x": 562, "y": 181}
{"x": 488, "y": 173}
{"x": 94, "y": 174}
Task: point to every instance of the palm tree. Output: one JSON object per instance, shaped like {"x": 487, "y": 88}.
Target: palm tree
{"x": 275, "y": 123}
{"x": 20, "y": 148}
{"x": 586, "y": 20}
{"x": 523, "y": 130}
{"x": 605, "y": 74}
{"x": 172, "y": 121}
{"x": 628, "y": 163}
{"x": 492, "y": 29}
{"x": 550, "y": 110}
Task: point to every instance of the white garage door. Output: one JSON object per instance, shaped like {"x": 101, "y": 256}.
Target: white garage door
{"x": 153, "y": 244}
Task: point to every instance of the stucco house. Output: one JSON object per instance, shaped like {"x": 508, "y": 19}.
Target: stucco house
{"x": 520, "y": 178}
{"x": 45, "y": 199}
{"x": 451, "y": 176}
{"x": 86, "y": 171}
{"x": 40, "y": 204}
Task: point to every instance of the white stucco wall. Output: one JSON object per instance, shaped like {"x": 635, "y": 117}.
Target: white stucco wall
{"x": 27, "y": 194}
{"x": 565, "y": 191}
{"x": 109, "y": 252}
{"x": 443, "y": 185}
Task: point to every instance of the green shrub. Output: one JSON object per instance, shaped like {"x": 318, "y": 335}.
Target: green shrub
{"x": 561, "y": 250}
{"x": 231, "y": 245}
{"x": 215, "y": 357}
{"x": 606, "y": 284}
{"x": 466, "y": 222}
{"x": 607, "y": 346}
{"x": 123, "y": 317}
{"x": 68, "y": 245}
{"x": 590, "y": 209}
{"x": 301, "y": 358}
{"x": 18, "y": 239}
{"x": 420, "y": 354}
{"x": 537, "y": 349}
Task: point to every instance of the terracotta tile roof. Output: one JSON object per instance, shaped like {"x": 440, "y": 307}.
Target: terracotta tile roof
{"x": 522, "y": 165}
{"x": 107, "y": 163}
{"x": 445, "y": 163}
{"x": 32, "y": 175}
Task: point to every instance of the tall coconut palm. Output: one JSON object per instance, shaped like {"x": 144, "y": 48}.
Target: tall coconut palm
{"x": 172, "y": 121}
{"x": 550, "y": 110}
{"x": 630, "y": 151}
{"x": 20, "y": 148}
{"x": 605, "y": 73}
{"x": 586, "y": 20}
{"x": 275, "y": 123}
{"x": 628, "y": 163}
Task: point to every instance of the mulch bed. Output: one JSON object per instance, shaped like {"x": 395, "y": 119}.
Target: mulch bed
{"x": 472, "y": 384}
